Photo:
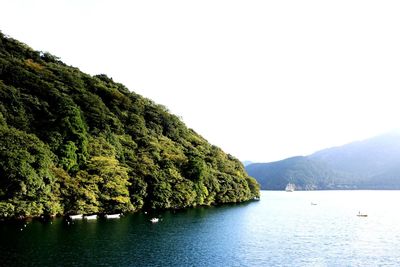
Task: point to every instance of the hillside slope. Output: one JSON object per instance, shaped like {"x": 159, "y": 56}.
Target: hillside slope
{"x": 73, "y": 143}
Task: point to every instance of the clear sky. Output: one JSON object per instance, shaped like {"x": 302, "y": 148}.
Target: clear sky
{"x": 263, "y": 80}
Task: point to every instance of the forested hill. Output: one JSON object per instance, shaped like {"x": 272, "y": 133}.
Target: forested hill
{"x": 74, "y": 143}
{"x": 369, "y": 164}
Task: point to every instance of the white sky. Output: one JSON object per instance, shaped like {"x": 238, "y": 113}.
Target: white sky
{"x": 263, "y": 80}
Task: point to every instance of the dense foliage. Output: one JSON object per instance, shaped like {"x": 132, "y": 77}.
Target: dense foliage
{"x": 73, "y": 143}
{"x": 370, "y": 164}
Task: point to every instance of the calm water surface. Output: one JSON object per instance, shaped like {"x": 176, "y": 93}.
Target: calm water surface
{"x": 282, "y": 229}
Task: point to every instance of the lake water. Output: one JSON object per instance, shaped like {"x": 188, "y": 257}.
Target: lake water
{"x": 282, "y": 229}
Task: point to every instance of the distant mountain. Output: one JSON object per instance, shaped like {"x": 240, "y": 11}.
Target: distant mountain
{"x": 305, "y": 173}
{"x": 370, "y": 164}
{"x": 366, "y": 158}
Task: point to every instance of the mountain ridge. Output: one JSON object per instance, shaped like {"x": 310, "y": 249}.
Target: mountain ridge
{"x": 366, "y": 164}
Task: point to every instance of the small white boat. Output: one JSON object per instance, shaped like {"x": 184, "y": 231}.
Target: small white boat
{"x": 154, "y": 220}
{"x": 362, "y": 214}
{"x": 76, "y": 217}
{"x": 113, "y": 216}
{"x": 290, "y": 187}
{"x": 91, "y": 217}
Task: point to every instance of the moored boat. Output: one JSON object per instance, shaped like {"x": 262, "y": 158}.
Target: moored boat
{"x": 91, "y": 217}
{"x": 154, "y": 220}
{"x": 76, "y": 217}
{"x": 113, "y": 216}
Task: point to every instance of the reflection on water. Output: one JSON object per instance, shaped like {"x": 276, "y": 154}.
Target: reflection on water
{"x": 282, "y": 229}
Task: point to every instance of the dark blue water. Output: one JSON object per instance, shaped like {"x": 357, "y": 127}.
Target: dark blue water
{"x": 283, "y": 229}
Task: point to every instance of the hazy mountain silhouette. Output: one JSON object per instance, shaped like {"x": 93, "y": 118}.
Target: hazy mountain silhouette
{"x": 369, "y": 164}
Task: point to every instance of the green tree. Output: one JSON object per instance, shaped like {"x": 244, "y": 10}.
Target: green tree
{"x": 113, "y": 183}
{"x": 26, "y": 181}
